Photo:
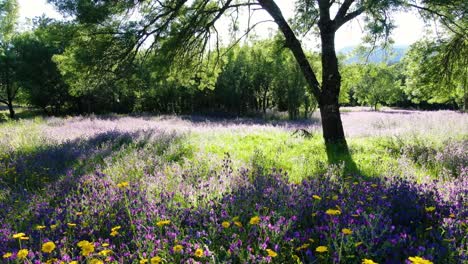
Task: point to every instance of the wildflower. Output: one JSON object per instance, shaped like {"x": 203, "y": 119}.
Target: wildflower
{"x": 304, "y": 246}
{"x": 163, "y": 223}
{"x": 86, "y": 247}
{"x": 24, "y": 238}
{"x": 105, "y": 244}
{"x": 321, "y": 249}
{"x": 7, "y": 255}
{"x": 114, "y": 233}
{"x": 96, "y": 261}
{"x": 333, "y": 212}
{"x": 271, "y": 253}
{"x": 178, "y": 248}
{"x": 430, "y": 209}
{"x": 122, "y": 185}
{"x": 254, "y": 220}
{"x": 48, "y": 247}
{"x": 226, "y": 224}
{"x": 116, "y": 228}
{"x": 155, "y": 260}
{"x": 19, "y": 235}
{"x": 52, "y": 261}
{"x": 143, "y": 261}
{"x": 73, "y": 262}
{"x": 40, "y": 227}
{"x": 368, "y": 261}
{"x": 22, "y": 254}
{"x": 316, "y": 197}
{"x": 452, "y": 215}
{"x": 419, "y": 260}
{"x": 346, "y": 231}
{"x": 71, "y": 224}
{"x": 199, "y": 253}
{"x": 238, "y": 224}
{"x": 105, "y": 252}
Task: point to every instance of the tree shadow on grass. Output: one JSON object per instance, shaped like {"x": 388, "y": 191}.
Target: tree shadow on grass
{"x": 25, "y": 174}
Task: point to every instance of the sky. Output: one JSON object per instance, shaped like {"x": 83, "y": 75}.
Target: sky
{"x": 409, "y": 29}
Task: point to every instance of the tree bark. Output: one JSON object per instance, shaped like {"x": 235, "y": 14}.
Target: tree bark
{"x": 11, "y": 110}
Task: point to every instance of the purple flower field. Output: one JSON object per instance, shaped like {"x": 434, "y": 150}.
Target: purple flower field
{"x": 138, "y": 190}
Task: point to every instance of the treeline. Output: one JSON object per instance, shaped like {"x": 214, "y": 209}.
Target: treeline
{"x": 63, "y": 67}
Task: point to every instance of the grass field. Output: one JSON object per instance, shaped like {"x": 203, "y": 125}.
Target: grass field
{"x": 167, "y": 189}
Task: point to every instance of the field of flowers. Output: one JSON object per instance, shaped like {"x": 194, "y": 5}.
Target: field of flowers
{"x": 120, "y": 189}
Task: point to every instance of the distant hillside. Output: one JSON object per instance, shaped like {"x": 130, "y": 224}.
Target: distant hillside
{"x": 377, "y": 56}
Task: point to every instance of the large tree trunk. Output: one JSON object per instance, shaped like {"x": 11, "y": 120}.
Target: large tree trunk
{"x": 11, "y": 110}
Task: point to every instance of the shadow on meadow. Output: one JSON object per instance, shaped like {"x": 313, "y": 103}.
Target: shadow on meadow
{"x": 25, "y": 176}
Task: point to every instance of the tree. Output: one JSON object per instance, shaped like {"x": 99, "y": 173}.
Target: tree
{"x": 183, "y": 30}
{"x": 8, "y": 86}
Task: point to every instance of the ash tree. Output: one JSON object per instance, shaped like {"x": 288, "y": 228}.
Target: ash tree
{"x": 186, "y": 31}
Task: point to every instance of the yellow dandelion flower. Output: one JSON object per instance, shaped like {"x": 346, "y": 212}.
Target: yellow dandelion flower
{"x": 226, "y": 224}
{"x": 7, "y": 255}
{"x": 105, "y": 252}
{"x": 73, "y": 262}
{"x": 19, "y": 235}
{"x": 122, "y": 185}
{"x": 105, "y": 244}
{"x": 114, "y": 233}
{"x": 156, "y": 260}
{"x": 316, "y": 197}
{"x": 86, "y": 247}
{"x": 22, "y": 254}
{"x": 24, "y": 238}
{"x": 199, "y": 253}
{"x": 333, "y": 212}
{"x": 163, "y": 223}
{"x": 48, "y": 247}
{"x": 71, "y": 224}
{"x": 419, "y": 260}
{"x": 368, "y": 261}
{"x": 116, "y": 228}
{"x": 96, "y": 261}
{"x": 254, "y": 220}
{"x": 346, "y": 231}
{"x": 430, "y": 209}
{"x": 143, "y": 261}
{"x": 321, "y": 249}
{"x": 178, "y": 248}
{"x": 238, "y": 224}
{"x": 271, "y": 253}
{"x": 40, "y": 227}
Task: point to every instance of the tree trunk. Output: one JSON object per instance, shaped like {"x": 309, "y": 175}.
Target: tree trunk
{"x": 11, "y": 110}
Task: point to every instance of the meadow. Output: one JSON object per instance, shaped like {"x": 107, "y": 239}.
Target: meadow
{"x": 192, "y": 189}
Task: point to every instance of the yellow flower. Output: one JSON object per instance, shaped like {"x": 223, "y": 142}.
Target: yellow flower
{"x": 52, "y": 261}
{"x": 430, "y": 209}
{"x": 226, "y": 224}
{"x": 155, "y": 260}
{"x": 114, "y": 233}
{"x": 321, "y": 249}
{"x": 122, "y": 185}
{"x": 163, "y": 223}
{"x": 452, "y": 215}
{"x": 48, "y": 247}
{"x": 333, "y": 212}
{"x": 419, "y": 260}
{"x": 19, "y": 235}
{"x": 71, "y": 224}
{"x": 346, "y": 231}
{"x": 73, "y": 262}
{"x": 177, "y": 248}
{"x": 237, "y": 223}
{"x": 53, "y": 226}
{"x": 105, "y": 252}
{"x": 79, "y": 213}
{"x": 116, "y": 228}
{"x": 86, "y": 247}
{"x": 96, "y": 261}
{"x": 24, "y": 238}
{"x": 254, "y": 220}
{"x": 22, "y": 254}
{"x": 271, "y": 253}
{"x": 7, "y": 255}
{"x": 143, "y": 261}
{"x": 306, "y": 245}
{"x": 198, "y": 253}
{"x": 316, "y": 197}
{"x": 368, "y": 261}
{"x": 105, "y": 244}
{"x": 40, "y": 227}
